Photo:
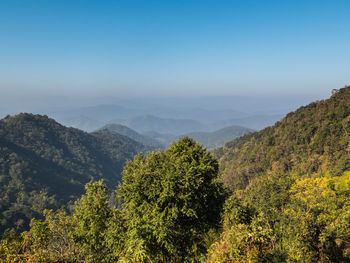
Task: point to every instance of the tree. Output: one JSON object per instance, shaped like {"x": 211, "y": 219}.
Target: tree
{"x": 93, "y": 233}
{"x": 171, "y": 199}
{"x": 93, "y": 221}
{"x": 320, "y": 219}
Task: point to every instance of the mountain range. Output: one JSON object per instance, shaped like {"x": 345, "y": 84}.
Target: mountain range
{"x": 164, "y": 120}
{"x": 218, "y": 138}
{"x": 153, "y": 139}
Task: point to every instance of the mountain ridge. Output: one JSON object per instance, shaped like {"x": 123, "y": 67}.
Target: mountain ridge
{"x": 219, "y": 137}
{"x": 44, "y": 160}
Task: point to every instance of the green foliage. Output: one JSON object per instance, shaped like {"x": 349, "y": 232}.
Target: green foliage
{"x": 91, "y": 215}
{"x": 172, "y": 199}
{"x": 250, "y": 225}
{"x": 99, "y": 229}
{"x": 171, "y": 210}
{"x": 94, "y": 232}
{"x": 13, "y": 247}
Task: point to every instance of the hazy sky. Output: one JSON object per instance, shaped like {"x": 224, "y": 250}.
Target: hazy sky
{"x": 166, "y": 48}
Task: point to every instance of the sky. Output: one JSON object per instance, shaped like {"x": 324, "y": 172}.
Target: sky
{"x": 174, "y": 48}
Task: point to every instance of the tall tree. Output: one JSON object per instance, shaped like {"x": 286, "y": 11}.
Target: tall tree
{"x": 172, "y": 198}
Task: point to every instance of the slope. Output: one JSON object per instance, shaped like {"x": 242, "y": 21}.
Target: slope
{"x": 44, "y": 164}
{"x": 314, "y": 138}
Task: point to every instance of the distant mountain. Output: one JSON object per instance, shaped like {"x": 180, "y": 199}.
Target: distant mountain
{"x": 164, "y": 138}
{"x": 82, "y": 122}
{"x": 256, "y": 122}
{"x": 218, "y": 138}
{"x": 44, "y": 164}
{"x": 210, "y": 140}
{"x": 93, "y": 117}
{"x": 314, "y": 138}
{"x": 147, "y": 123}
{"x": 144, "y": 117}
{"x": 126, "y": 131}
{"x": 198, "y": 114}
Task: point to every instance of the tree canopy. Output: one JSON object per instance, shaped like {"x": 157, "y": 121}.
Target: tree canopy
{"x": 172, "y": 198}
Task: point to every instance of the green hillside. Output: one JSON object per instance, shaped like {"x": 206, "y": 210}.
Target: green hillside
{"x": 312, "y": 139}
{"x": 44, "y": 164}
{"x": 289, "y": 188}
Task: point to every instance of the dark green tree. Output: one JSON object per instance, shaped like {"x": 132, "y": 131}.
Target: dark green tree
{"x": 172, "y": 198}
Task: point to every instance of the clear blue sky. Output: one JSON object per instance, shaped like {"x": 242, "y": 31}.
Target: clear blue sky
{"x": 135, "y": 48}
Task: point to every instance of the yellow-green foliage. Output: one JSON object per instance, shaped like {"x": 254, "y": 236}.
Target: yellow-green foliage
{"x": 312, "y": 224}
{"x": 320, "y": 215}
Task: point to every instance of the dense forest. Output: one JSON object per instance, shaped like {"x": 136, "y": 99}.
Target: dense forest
{"x": 171, "y": 202}
{"x": 315, "y": 138}
{"x": 45, "y": 165}
{"x": 289, "y": 188}
{"x": 278, "y": 195}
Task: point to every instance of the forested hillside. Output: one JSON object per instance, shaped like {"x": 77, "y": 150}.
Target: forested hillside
{"x": 290, "y": 189}
{"x": 171, "y": 209}
{"x": 44, "y": 164}
{"x": 314, "y": 138}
